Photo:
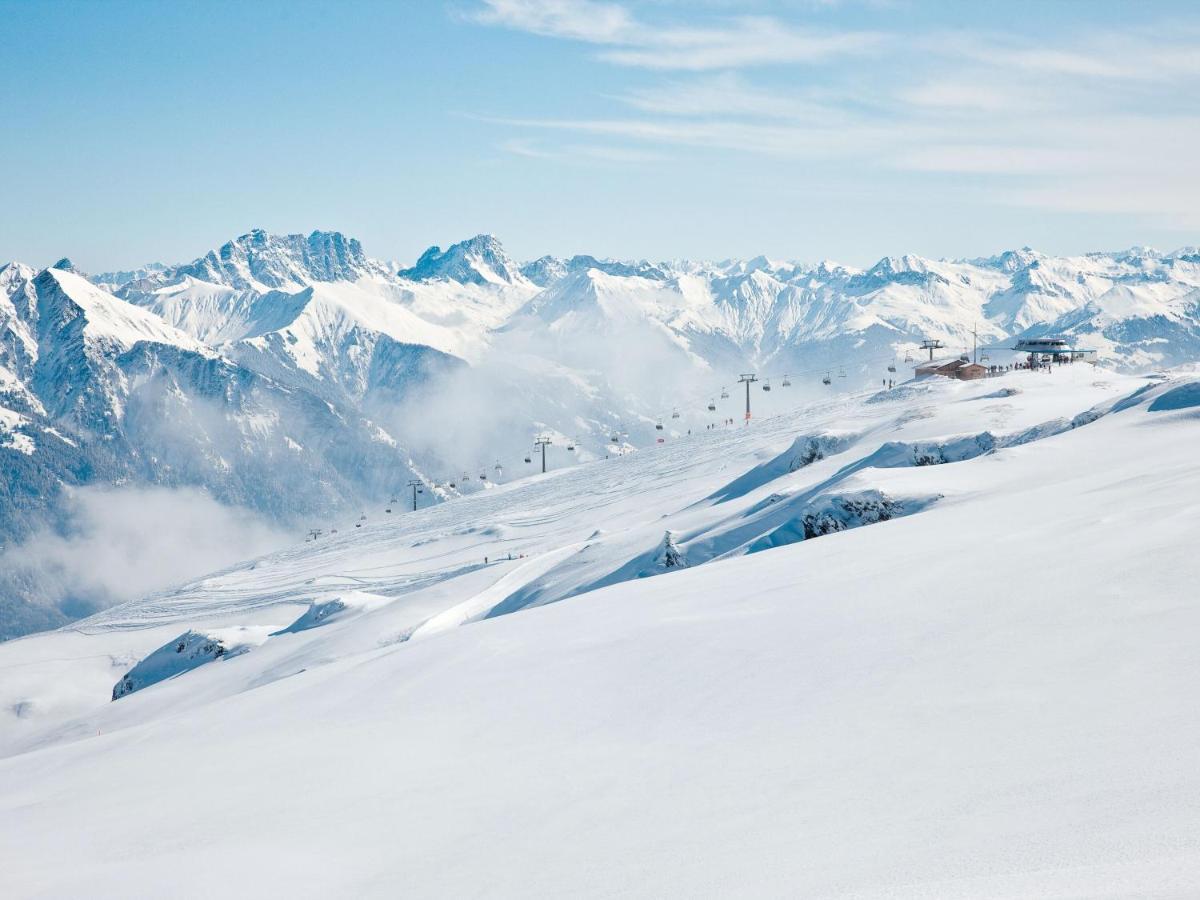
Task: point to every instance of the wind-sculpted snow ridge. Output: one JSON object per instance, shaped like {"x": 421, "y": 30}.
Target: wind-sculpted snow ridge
{"x": 339, "y": 609}
{"x": 189, "y": 651}
{"x": 838, "y": 512}
{"x": 804, "y": 451}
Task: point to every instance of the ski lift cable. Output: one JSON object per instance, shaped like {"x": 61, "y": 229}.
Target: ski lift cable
{"x": 790, "y": 374}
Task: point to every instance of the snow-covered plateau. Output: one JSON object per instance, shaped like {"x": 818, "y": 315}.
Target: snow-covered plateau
{"x": 937, "y": 640}
{"x": 300, "y": 383}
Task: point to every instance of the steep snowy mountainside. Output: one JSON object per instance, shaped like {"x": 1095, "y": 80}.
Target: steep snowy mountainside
{"x": 18, "y": 342}
{"x": 99, "y": 391}
{"x": 871, "y": 647}
{"x": 65, "y": 298}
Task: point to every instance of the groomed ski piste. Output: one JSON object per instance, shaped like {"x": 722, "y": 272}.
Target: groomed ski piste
{"x": 938, "y": 641}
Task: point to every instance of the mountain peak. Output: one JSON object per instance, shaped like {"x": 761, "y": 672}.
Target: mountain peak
{"x": 258, "y": 259}
{"x": 65, "y": 265}
{"x": 478, "y": 260}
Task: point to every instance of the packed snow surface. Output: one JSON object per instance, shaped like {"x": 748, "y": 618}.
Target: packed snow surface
{"x": 933, "y": 642}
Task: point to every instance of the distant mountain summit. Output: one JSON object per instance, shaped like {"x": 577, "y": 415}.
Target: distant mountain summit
{"x": 480, "y": 260}
{"x": 261, "y": 261}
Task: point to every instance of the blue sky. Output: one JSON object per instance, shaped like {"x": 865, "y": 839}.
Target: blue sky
{"x": 807, "y": 130}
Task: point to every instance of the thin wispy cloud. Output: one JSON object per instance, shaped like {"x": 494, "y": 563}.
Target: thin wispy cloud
{"x": 735, "y": 42}
{"x": 1093, "y": 120}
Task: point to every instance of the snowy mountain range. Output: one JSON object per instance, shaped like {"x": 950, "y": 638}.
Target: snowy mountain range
{"x": 300, "y": 378}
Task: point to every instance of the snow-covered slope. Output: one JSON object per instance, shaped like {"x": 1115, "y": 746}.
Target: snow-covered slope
{"x": 935, "y": 641}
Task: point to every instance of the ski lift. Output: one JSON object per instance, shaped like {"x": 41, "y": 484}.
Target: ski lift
{"x": 786, "y": 383}
{"x": 333, "y": 531}
{"x": 675, "y": 414}
{"x": 388, "y": 510}
{"x": 571, "y": 444}
{"x": 499, "y": 469}
{"x": 908, "y": 356}
{"x": 767, "y": 385}
{"x": 841, "y": 371}
{"x": 712, "y": 405}
{"x": 363, "y": 517}
{"x": 358, "y": 524}
{"x": 657, "y": 426}
{"x": 724, "y": 394}
{"x": 826, "y": 379}
{"x": 984, "y": 357}
{"x": 528, "y": 458}
{"x": 892, "y": 366}
{"x": 483, "y": 476}
{"x": 453, "y": 485}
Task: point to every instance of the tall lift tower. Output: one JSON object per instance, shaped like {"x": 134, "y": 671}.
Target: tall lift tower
{"x": 747, "y": 380}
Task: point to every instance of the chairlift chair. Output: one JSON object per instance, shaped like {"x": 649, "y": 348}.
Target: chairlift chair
{"x": 675, "y": 414}
{"x": 841, "y": 371}
{"x": 786, "y": 382}
{"x": 712, "y": 405}
{"x": 658, "y": 426}
{"x": 724, "y": 394}
{"x": 767, "y": 385}
{"x": 826, "y": 379}
{"x": 892, "y": 366}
